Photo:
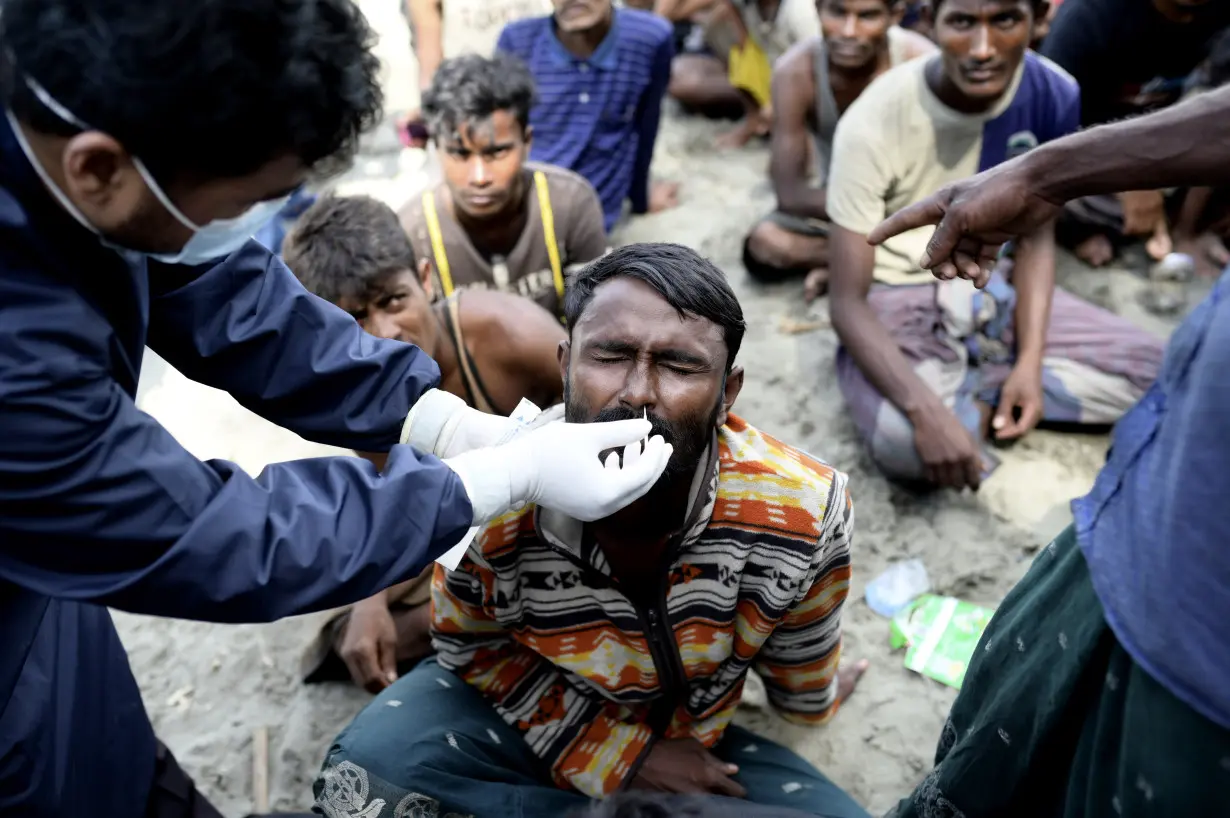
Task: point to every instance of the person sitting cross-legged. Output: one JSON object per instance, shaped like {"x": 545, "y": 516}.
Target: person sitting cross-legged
{"x": 574, "y": 660}
{"x": 601, "y": 73}
{"x": 933, "y": 372}
{"x": 813, "y": 84}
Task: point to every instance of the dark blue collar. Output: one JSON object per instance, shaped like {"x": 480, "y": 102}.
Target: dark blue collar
{"x": 604, "y": 56}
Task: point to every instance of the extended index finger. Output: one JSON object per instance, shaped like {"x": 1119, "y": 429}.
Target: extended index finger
{"x": 920, "y": 214}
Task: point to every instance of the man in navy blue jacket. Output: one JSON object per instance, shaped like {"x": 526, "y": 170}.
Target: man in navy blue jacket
{"x": 142, "y": 144}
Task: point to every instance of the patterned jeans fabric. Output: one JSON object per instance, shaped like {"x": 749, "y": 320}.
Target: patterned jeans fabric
{"x": 1055, "y": 719}
{"x": 431, "y": 746}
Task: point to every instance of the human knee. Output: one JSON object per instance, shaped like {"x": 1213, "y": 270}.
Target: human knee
{"x": 767, "y": 253}
{"x": 892, "y": 446}
{"x": 686, "y": 81}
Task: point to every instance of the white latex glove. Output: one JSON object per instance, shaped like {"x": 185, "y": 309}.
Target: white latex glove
{"x": 558, "y": 466}
{"x": 441, "y": 423}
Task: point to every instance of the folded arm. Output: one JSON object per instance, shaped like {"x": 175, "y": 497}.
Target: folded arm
{"x": 585, "y": 741}
{"x": 799, "y": 662}
{"x": 248, "y": 327}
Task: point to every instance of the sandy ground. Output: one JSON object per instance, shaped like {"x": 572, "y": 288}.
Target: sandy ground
{"x": 208, "y": 686}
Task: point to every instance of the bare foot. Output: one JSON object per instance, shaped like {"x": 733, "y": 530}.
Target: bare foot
{"x": 1208, "y": 251}
{"x": 663, "y": 196}
{"x": 752, "y": 126}
{"x": 848, "y": 676}
{"x": 1159, "y": 245}
{"x": 1096, "y": 251}
{"x": 816, "y": 284}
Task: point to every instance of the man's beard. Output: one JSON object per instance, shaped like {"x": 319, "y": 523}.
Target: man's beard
{"x": 690, "y": 436}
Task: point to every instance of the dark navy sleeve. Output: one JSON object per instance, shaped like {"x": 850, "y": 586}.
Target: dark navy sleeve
{"x": 649, "y": 116}
{"x": 248, "y": 327}
{"x": 99, "y": 503}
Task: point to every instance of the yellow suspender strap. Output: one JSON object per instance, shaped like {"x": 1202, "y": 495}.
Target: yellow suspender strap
{"x": 437, "y": 243}
{"x": 548, "y": 231}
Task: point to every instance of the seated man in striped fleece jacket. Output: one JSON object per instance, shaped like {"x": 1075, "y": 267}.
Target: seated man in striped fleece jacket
{"x": 578, "y": 659}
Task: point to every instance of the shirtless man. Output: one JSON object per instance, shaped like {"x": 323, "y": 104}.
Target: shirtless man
{"x": 497, "y": 221}
{"x": 812, "y": 85}
{"x": 493, "y": 349}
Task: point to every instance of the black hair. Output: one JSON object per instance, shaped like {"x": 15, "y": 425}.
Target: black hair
{"x": 342, "y": 246}
{"x": 1035, "y": 6}
{"x": 206, "y": 88}
{"x": 471, "y": 88}
{"x": 693, "y": 285}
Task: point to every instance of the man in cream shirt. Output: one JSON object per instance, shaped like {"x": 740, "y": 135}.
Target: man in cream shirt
{"x": 933, "y": 372}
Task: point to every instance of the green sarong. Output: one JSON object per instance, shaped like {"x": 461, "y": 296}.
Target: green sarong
{"x": 1055, "y": 719}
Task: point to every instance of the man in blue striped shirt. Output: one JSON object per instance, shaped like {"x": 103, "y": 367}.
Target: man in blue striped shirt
{"x": 601, "y": 74}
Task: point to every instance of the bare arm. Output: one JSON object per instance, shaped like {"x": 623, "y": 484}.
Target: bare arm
{"x": 519, "y": 340}
{"x": 794, "y": 94}
{"x": 852, "y": 264}
{"x": 1187, "y": 145}
{"x": 427, "y": 24}
{"x": 1021, "y": 400}
{"x": 534, "y": 352}
{"x": 1034, "y": 280}
{"x": 677, "y": 10}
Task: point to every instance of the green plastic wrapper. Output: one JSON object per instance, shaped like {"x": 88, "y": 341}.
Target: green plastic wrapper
{"x": 940, "y": 634}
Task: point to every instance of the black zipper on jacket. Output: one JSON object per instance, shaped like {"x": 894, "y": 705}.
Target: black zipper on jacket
{"x": 664, "y": 651}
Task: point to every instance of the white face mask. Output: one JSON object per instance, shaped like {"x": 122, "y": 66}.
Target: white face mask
{"x": 218, "y": 239}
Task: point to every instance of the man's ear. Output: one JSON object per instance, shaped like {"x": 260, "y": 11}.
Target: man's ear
{"x": 565, "y": 347}
{"x": 734, "y": 385}
{"x": 100, "y": 177}
{"x": 426, "y": 278}
{"x": 529, "y": 136}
